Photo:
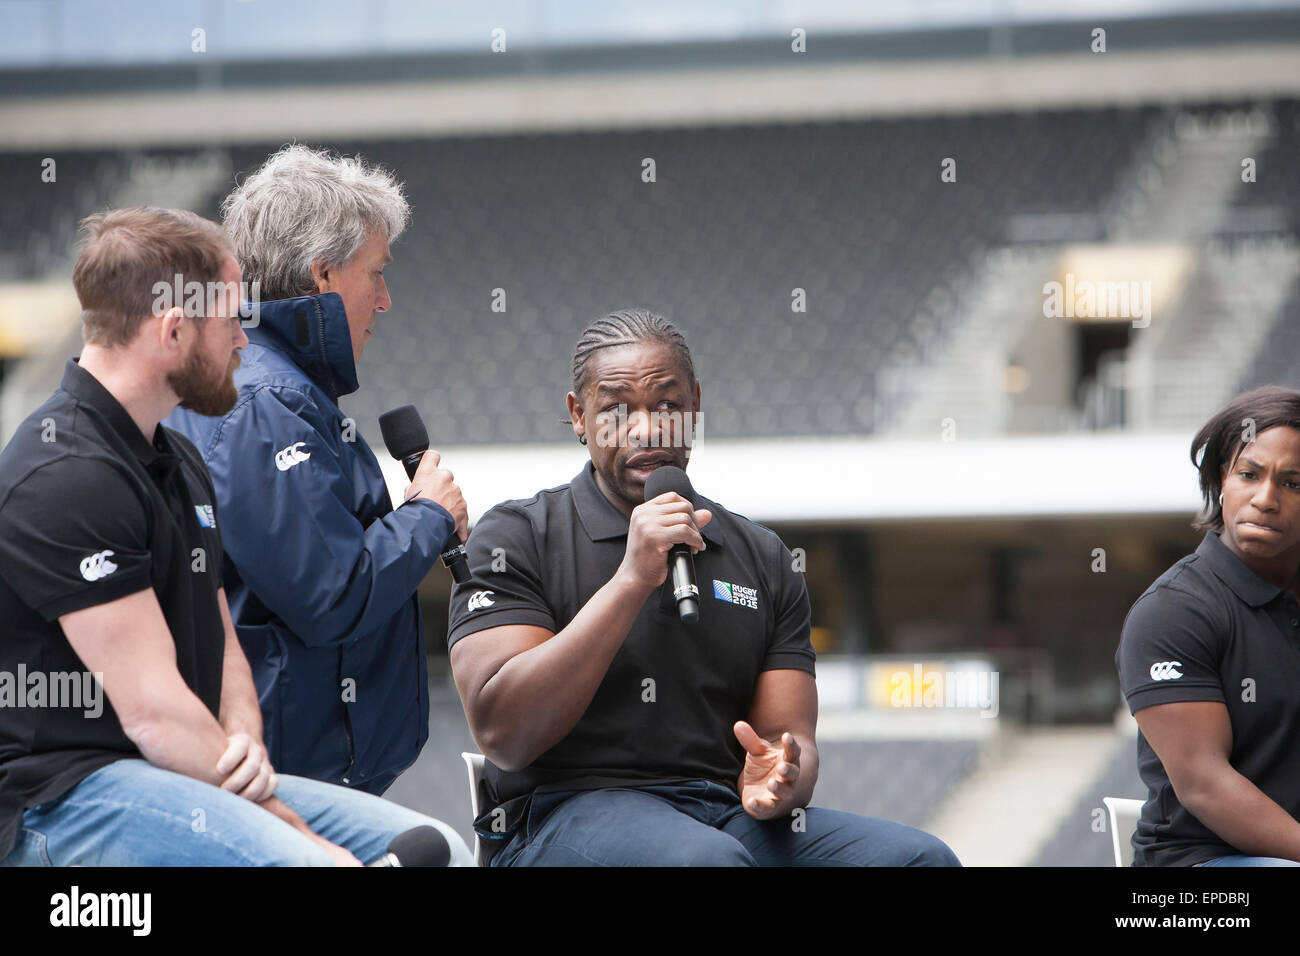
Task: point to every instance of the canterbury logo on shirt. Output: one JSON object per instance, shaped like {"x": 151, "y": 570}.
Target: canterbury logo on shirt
{"x": 1164, "y": 670}
{"x": 286, "y": 458}
{"x": 479, "y": 600}
{"x": 97, "y": 566}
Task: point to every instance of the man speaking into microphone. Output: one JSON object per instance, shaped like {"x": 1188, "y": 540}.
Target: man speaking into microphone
{"x": 322, "y": 572}
{"x": 628, "y": 718}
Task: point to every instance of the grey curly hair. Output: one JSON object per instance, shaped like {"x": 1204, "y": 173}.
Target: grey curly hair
{"x": 307, "y": 205}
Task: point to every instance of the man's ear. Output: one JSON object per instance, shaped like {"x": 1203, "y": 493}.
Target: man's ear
{"x": 576, "y": 416}
{"x": 320, "y": 273}
{"x": 170, "y": 327}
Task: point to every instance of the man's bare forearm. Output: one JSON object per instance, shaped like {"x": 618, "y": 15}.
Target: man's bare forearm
{"x": 1244, "y": 817}
{"x": 809, "y": 766}
{"x": 240, "y": 711}
{"x": 180, "y": 734}
{"x": 278, "y": 808}
{"x": 538, "y": 696}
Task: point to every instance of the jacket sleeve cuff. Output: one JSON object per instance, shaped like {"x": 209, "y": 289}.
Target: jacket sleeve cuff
{"x": 438, "y": 509}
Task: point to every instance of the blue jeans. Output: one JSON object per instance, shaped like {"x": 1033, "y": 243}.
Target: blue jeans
{"x": 1238, "y": 860}
{"x": 703, "y": 824}
{"x": 131, "y": 813}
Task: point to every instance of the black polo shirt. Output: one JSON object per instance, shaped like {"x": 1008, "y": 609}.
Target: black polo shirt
{"x": 554, "y": 551}
{"x": 91, "y": 511}
{"x": 1209, "y": 628}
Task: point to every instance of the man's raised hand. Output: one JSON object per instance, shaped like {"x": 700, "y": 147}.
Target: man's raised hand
{"x": 654, "y": 528}
{"x": 771, "y": 770}
{"x": 439, "y": 486}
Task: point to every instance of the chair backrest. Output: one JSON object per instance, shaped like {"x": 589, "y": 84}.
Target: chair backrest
{"x": 1124, "y": 815}
{"x": 474, "y": 764}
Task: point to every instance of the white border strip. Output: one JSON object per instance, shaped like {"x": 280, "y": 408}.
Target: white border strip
{"x": 836, "y": 480}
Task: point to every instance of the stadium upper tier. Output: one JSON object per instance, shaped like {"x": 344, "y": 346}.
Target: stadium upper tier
{"x": 555, "y": 230}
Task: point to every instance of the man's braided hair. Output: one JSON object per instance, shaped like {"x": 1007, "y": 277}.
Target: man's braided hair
{"x": 628, "y": 327}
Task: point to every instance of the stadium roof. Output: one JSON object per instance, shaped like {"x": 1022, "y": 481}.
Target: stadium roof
{"x": 69, "y": 47}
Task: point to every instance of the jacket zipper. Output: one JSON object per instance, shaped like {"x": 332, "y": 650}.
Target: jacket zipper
{"x": 347, "y": 726}
{"x": 347, "y": 716}
{"x": 320, "y": 328}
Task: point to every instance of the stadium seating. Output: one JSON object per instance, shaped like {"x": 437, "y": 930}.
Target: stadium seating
{"x": 84, "y": 182}
{"x": 1077, "y": 841}
{"x": 853, "y": 213}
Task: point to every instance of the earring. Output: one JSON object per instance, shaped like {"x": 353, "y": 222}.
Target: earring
{"x": 582, "y": 439}
{"x": 1220, "y": 499}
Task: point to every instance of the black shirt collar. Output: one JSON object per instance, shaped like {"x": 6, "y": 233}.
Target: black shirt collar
{"x": 87, "y": 389}
{"x": 602, "y": 521}
{"x": 1233, "y": 572}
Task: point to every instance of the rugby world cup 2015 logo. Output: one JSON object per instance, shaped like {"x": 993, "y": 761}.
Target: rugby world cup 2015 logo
{"x": 735, "y": 594}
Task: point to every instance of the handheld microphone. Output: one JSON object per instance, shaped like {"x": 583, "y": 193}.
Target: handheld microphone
{"x": 422, "y": 846}
{"x": 407, "y": 440}
{"x": 663, "y": 479}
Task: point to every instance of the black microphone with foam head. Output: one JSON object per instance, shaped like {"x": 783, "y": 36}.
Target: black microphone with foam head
{"x": 407, "y": 440}
{"x": 421, "y": 846}
{"x": 663, "y": 479}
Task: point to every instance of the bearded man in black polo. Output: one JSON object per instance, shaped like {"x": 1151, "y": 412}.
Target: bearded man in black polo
{"x": 111, "y": 581}
{"x": 614, "y": 733}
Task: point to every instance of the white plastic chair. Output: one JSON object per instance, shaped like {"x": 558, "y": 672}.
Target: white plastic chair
{"x": 1124, "y": 815}
{"x": 474, "y": 764}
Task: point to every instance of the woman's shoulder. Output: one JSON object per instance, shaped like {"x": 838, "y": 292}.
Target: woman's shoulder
{"x": 1188, "y": 596}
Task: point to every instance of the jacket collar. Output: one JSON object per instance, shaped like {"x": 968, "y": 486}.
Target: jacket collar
{"x": 602, "y": 521}
{"x": 312, "y": 332}
{"x": 1230, "y": 569}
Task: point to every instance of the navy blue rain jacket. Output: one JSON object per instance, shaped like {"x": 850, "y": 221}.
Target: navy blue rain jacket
{"x": 320, "y": 571}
